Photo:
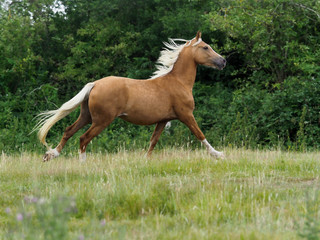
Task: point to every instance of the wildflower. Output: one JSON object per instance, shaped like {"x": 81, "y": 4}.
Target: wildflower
{"x": 103, "y": 222}
{"x": 31, "y": 199}
{"x": 27, "y": 199}
{"x": 81, "y": 237}
{"x": 19, "y": 217}
{"x": 8, "y": 210}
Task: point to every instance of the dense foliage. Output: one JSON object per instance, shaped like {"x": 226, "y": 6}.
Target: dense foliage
{"x": 267, "y": 95}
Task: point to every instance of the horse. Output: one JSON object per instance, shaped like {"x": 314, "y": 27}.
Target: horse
{"x": 165, "y": 96}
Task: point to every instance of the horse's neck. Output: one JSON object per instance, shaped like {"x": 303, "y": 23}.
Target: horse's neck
{"x": 185, "y": 70}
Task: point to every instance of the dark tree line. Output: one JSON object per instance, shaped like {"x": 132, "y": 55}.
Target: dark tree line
{"x": 267, "y": 95}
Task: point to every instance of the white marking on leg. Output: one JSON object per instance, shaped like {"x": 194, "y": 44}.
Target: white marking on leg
{"x": 55, "y": 152}
{"x": 82, "y": 156}
{"x": 211, "y": 150}
{"x": 122, "y": 114}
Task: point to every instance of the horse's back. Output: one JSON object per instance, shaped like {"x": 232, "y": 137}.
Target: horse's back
{"x": 141, "y": 102}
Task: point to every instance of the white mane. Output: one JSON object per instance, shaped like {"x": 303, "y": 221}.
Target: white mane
{"x": 169, "y": 55}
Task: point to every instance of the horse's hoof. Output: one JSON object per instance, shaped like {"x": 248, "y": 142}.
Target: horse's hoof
{"x": 221, "y": 155}
{"x": 217, "y": 154}
{"x": 52, "y": 153}
{"x": 46, "y": 157}
{"x": 82, "y": 157}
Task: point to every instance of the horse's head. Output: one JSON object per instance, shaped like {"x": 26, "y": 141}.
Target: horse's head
{"x": 204, "y": 55}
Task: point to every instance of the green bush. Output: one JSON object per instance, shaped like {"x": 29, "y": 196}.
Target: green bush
{"x": 267, "y": 96}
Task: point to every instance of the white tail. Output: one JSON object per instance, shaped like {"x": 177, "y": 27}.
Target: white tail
{"x": 49, "y": 118}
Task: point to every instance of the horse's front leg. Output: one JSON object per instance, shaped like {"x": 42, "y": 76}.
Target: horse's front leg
{"x": 193, "y": 126}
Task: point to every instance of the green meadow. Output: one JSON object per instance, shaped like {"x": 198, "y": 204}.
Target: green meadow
{"x": 176, "y": 194}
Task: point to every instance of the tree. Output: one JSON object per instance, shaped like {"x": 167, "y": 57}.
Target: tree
{"x": 276, "y": 39}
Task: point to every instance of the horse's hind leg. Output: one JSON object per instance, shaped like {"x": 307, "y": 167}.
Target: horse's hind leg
{"x": 94, "y": 130}
{"x": 83, "y": 120}
{"x": 155, "y": 136}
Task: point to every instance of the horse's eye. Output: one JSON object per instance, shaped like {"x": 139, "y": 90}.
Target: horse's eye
{"x": 205, "y": 48}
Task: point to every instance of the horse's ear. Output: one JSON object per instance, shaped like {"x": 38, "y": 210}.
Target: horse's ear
{"x": 198, "y": 35}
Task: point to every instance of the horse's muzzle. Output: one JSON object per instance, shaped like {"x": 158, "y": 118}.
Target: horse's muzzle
{"x": 221, "y": 63}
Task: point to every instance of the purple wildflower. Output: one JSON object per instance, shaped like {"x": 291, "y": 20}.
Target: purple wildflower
{"x": 19, "y": 217}
{"x": 8, "y": 210}
{"x": 103, "y": 222}
{"x": 81, "y": 237}
{"x": 27, "y": 199}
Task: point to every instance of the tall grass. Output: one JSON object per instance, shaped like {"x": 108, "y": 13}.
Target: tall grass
{"x": 177, "y": 194}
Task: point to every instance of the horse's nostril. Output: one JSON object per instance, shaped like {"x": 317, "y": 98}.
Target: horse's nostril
{"x": 221, "y": 63}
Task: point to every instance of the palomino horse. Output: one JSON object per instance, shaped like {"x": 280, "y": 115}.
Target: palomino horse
{"x": 164, "y": 97}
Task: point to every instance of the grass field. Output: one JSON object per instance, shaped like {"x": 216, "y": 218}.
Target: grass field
{"x": 177, "y": 194}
